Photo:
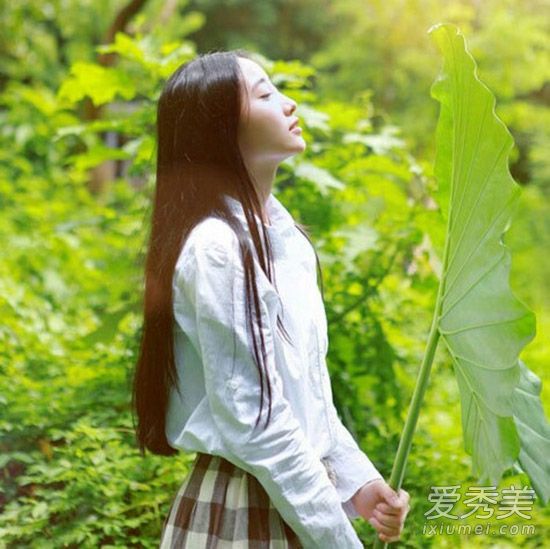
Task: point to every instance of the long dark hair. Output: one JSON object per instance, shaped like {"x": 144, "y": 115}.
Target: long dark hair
{"x": 198, "y": 160}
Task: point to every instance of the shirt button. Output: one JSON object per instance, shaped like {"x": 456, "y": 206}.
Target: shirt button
{"x": 232, "y": 384}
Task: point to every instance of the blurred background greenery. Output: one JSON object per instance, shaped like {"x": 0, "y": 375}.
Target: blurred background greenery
{"x": 78, "y": 85}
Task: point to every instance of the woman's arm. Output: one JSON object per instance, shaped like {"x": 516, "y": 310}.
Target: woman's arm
{"x": 362, "y": 488}
{"x": 352, "y": 467}
{"x": 280, "y": 457}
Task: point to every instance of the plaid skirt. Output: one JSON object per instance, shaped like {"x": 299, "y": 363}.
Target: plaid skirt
{"x": 221, "y": 506}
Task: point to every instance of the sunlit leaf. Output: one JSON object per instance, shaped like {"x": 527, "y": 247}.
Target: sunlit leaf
{"x": 533, "y": 430}
{"x": 320, "y": 177}
{"x": 99, "y": 83}
{"x": 380, "y": 143}
{"x": 483, "y": 324}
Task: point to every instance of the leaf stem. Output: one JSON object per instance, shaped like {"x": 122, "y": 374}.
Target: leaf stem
{"x": 405, "y": 442}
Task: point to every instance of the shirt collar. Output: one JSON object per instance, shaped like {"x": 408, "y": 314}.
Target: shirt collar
{"x": 279, "y": 216}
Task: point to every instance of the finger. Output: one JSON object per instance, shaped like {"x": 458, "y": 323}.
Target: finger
{"x": 400, "y": 505}
{"x": 392, "y": 521}
{"x": 386, "y": 509}
{"x": 383, "y": 529}
{"x": 405, "y": 494}
{"x": 388, "y": 539}
{"x": 390, "y": 495}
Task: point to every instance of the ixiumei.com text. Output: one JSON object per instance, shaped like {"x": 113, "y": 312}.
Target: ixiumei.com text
{"x": 431, "y": 529}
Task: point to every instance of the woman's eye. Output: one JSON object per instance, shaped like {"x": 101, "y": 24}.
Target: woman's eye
{"x": 265, "y": 95}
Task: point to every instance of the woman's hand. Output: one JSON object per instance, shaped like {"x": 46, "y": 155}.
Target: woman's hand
{"x": 383, "y": 508}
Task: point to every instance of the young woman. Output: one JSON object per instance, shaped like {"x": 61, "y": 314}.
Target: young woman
{"x": 232, "y": 358}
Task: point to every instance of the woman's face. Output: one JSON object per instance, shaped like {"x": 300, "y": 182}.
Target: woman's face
{"x": 266, "y": 117}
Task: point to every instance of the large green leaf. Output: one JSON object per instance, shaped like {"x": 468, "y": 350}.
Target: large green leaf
{"x": 534, "y": 431}
{"x": 482, "y": 323}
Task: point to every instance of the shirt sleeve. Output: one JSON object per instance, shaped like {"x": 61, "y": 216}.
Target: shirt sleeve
{"x": 352, "y": 467}
{"x": 280, "y": 457}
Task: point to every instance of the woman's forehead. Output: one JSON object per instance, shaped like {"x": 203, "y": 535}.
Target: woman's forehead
{"x": 252, "y": 72}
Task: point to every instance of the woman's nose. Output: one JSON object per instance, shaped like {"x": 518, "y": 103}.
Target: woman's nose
{"x": 290, "y": 104}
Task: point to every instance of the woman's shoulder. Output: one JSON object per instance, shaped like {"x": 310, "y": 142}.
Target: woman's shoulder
{"x": 212, "y": 238}
{"x": 212, "y": 231}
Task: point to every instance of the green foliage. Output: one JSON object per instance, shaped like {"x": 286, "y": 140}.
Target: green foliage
{"x": 39, "y": 39}
{"x": 87, "y": 486}
{"x": 382, "y": 47}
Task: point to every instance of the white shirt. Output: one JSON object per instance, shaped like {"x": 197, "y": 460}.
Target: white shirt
{"x": 220, "y": 384}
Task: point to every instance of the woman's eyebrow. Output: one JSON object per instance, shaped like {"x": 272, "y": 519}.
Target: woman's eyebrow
{"x": 262, "y": 79}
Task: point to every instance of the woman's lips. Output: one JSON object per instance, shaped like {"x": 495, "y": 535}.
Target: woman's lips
{"x": 296, "y": 129}
{"x": 294, "y": 124}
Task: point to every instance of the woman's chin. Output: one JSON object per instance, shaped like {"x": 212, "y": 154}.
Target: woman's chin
{"x": 302, "y": 147}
